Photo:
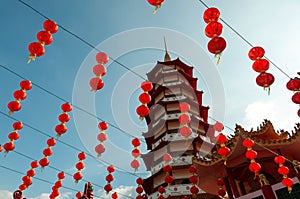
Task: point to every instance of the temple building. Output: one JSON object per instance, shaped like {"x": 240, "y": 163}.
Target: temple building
{"x": 174, "y": 83}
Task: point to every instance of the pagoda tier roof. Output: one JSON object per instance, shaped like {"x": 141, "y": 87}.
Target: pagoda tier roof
{"x": 188, "y": 69}
{"x": 211, "y": 167}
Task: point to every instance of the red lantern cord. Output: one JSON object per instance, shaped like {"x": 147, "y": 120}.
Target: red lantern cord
{"x": 9, "y": 146}
{"x": 139, "y": 190}
{"x": 47, "y": 152}
{"x": 19, "y": 96}
{"x": 27, "y": 180}
{"x": 136, "y": 153}
{"x": 44, "y": 37}
{"x": 261, "y": 65}
{"x": 221, "y": 139}
{"x": 156, "y": 3}
{"x": 251, "y": 154}
{"x": 194, "y": 180}
{"x": 58, "y": 184}
{"x": 101, "y": 137}
{"x": 221, "y": 191}
{"x": 145, "y": 99}
{"x": 79, "y": 166}
{"x": 168, "y": 169}
{"x": 63, "y": 118}
{"x": 283, "y": 170}
{"x": 161, "y": 191}
{"x": 99, "y": 70}
{"x": 213, "y": 30}
{"x": 184, "y": 119}
{"x": 109, "y": 178}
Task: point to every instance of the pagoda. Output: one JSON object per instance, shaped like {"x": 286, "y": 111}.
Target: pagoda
{"x": 173, "y": 83}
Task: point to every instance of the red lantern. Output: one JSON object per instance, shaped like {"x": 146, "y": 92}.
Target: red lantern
{"x": 114, "y": 195}
{"x": 218, "y": 127}
{"x": 248, "y": 143}
{"x": 36, "y": 49}
{"x": 44, "y": 37}
{"x": 99, "y": 149}
{"x": 66, "y": 107}
{"x": 109, "y": 178}
{"x": 283, "y": 170}
{"x": 251, "y": 154}
{"x": 256, "y": 53}
{"x": 221, "y": 138}
{"x": 64, "y": 118}
{"x": 216, "y": 45}
{"x": 213, "y": 29}
{"x": 193, "y": 179}
{"x": 99, "y": 70}
{"x": 261, "y": 65}
{"x": 9, "y": 146}
{"x": 145, "y": 98}
{"x": 14, "y": 106}
{"x": 224, "y": 151}
{"x": 102, "y": 58}
{"x": 146, "y": 86}
{"x": 139, "y": 181}
{"x": 34, "y": 164}
{"x": 78, "y": 195}
{"x": 220, "y": 182}
{"x": 211, "y": 14}
{"x": 135, "y": 164}
{"x": 136, "y": 142}
{"x": 20, "y": 95}
{"x": 77, "y": 176}
{"x": 184, "y": 107}
{"x": 192, "y": 169}
{"x": 296, "y": 98}
{"x": 22, "y": 187}
{"x": 108, "y": 188}
{"x": 61, "y": 175}
{"x": 255, "y": 167}
{"x": 44, "y": 162}
{"x": 167, "y": 157}
{"x": 110, "y": 169}
{"x": 169, "y": 179}
{"x": 221, "y": 192}
{"x": 265, "y": 80}
{"x": 139, "y": 189}
{"x": 194, "y": 190}
{"x": 103, "y": 126}
{"x": 51, "y": 142}
{"x": 136, "y": 153}
{"x": 142, "y": 111}
{"x": 82, "y": 156}
{"x": 185, "y": 131}
{"x": 167, "y": 168}
{"x": 60, "y": 129}
{"x": 184, "y": 119}
{"x": 279, "y": 159}
{"x": 50, "y": 26}
{"x": 288, "y": 182}
{"x": 293, "y": 84}
{"x": 156, "y": 3}
{"x": 96, "y": 83}
{"x": 102, "y": 137}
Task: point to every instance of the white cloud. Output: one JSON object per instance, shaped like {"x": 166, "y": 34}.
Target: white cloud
{"x": 5, "y": 194}
{"x": 281, "y": 113}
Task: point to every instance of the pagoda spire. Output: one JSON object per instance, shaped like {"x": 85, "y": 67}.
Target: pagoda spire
{"x": 167, "y": 56}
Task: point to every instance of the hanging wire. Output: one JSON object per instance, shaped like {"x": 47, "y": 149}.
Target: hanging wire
{"x": 69, "y": 174}
{"x": 245, "y": 40}
{"x": 43, "y": 180}
{"x": 103, "y": 162}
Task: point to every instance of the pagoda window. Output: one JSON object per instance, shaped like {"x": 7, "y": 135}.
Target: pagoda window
{"x": 181, "y": 181}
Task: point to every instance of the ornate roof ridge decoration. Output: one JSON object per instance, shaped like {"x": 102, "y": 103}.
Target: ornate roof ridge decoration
{"x": 284, "y": 137}
{"x": 174, "y": 61}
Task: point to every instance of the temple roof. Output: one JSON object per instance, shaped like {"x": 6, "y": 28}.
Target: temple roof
{"x": 268, "y": 144}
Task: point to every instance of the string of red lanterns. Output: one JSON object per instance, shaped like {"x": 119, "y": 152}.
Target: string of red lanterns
{"x": 144, "y": 98}
{"x": 213, "y": 30}
{"x": 58, "y": 184}
{"x": 99, "y": 70}
{"x": 79, "y": 166}
{"x": 139, "y": 190}
{"x": 47, "y": 152}
{"x": 44, "y": 37}
{"x": 194, "y": 180}
{"x": 109, "y": 178}
{"x": 168, "y": 169}
{"x": 102, "y": 136}
{"x": 19, "y": 96}
{"x": 29, "y": 174}
{"x": 294, "y": 85}
{"x": 184, "y": 119}
{"x": 283, "y": 170}
{"x": 156, "y": 3}
{"x": 221, "y": 191}
{"x": 135, "y": 163}
{"x": 261, "y": 65}
{"x": 63, "y": 118}
{"x": 251, "y": 155}
{"x": 13, "y": 136}
{"x": 221, "y": 139}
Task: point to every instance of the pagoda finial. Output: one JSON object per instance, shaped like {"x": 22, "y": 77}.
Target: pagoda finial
{"x": 167, "y": 56}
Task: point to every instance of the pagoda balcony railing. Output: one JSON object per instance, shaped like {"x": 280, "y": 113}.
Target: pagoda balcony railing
{"x": 172, "y": 137}
{"x": 175, "y": 190}
{"x": 177, "y": 161}
{"x": 170, "y": 99}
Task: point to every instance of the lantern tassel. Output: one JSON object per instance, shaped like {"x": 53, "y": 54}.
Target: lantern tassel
{"x": 290, "y": 190}
{"x": 31, "y": 58}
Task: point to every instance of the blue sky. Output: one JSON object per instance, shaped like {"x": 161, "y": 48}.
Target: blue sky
{"x": 271, "y": 24}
